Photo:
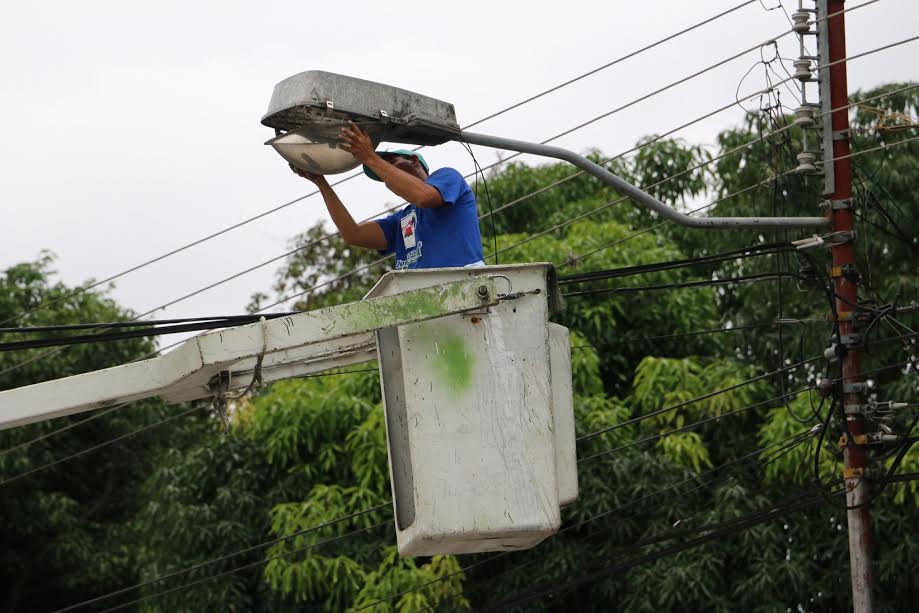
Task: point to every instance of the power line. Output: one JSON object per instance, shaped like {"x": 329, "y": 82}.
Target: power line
{"x": 733, "y": 526}
{"x": 739, "y": 328}
{"x": 357, "y": 174}
{"x": 57, "y": 431}
{"x": 752, "y": 278}
{"x": 229, "y": 319}
{"x": 95, "y": 447}
{"x": 548, "y": 140}
{"x": 367, "y": 266}
{"x": 247, "y": 566}
{"x": 141, "y": 332}
{"x": 692, "y": 426}
{"x": 711, "y": 393}
{"x": 787, "y": 443}
{"x": 129, "y": 434}
{"x": 274, "y": 541}
{"x": 578, "y": 258}
{"x": 640, "y": 269}
{"x": 377, "y": 525}
{"x": 223, "y": 558}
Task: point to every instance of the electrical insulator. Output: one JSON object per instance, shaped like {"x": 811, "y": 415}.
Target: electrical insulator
{"x": 804, "y": 116}
{"x": 806, "y": 162}
{"x": 801, "y": 22}
{"x": 825, "y": 387}
{"x": 803, "y": 69}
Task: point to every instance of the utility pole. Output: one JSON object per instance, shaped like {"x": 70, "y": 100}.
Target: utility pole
{"x": 845, "y": 283}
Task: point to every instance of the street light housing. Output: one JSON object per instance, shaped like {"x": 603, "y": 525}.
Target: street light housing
{"x": 309, "y": 109}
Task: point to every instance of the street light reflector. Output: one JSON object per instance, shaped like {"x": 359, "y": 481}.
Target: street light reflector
{"x": 315, "y": 148}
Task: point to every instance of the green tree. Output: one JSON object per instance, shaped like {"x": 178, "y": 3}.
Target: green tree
{"x": 321, "y": 443}
{"x": 66, "y": 530}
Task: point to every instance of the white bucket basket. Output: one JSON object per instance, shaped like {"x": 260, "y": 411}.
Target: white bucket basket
{"x": 479, "y": 417}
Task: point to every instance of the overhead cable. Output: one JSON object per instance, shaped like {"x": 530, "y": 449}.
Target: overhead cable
{"x": 733, "y": 526}
{"x": 367, "y": 266}
{"x": 785, "y": 444}
{"x": 98, "y": 446}
{"x": 223, "y": 558}
{"x": 357, "y": 174}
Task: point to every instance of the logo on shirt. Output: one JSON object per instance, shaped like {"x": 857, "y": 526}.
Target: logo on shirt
{"x": 409, "y": 224}
{"x": 410, "y": 257}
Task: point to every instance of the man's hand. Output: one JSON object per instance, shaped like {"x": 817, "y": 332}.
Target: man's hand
{"x": 317, "y": 179}
{"x": 357, "y": 143}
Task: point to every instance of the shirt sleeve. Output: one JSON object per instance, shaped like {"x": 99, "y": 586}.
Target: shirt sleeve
{"x": 450, "y": 183}
{"x": 390, "y": 227}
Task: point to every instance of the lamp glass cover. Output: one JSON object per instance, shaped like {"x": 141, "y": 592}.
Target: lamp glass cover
{"x": 314, "y": 148}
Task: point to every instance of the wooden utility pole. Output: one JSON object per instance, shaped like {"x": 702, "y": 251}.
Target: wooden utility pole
{"x": 845, "y": 283}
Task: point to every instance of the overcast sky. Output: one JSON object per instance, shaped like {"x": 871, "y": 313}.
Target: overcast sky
{"x": 130, "y": 129}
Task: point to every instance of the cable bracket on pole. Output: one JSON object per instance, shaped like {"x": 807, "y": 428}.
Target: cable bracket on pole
{"x": 855, "y": 439}
{"x": 841, "y": 135}
{"x": 855, "y": 388}
{"x": 850, "y": 340}
{"x": 846, "y": 271}
{"x": 853, "y": 473}
{"x": 839, "y": 205}
{"x": 843, "y": 316}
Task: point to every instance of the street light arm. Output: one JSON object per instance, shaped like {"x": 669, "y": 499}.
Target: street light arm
{"x": 636, "y": 194}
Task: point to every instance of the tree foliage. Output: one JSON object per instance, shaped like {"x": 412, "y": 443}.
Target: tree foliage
{"x": 304, "y": 468}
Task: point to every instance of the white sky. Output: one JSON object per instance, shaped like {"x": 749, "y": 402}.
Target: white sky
{"x": 131, "y": 129}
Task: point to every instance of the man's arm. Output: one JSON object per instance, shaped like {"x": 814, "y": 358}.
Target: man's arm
{"x": 399, "y": 182}
{"x": 368, "y": 234}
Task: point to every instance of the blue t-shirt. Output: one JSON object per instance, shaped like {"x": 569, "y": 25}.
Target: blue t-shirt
{"x": 441, "y": 237}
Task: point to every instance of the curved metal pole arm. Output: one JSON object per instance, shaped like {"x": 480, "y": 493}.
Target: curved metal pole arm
{"x": 636, "y": 194}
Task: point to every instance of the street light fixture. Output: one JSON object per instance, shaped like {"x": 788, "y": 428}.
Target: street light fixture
{"x": 312, "y": 105}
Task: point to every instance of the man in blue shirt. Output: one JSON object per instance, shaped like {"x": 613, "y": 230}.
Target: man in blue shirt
{"x": 440, "y": 226}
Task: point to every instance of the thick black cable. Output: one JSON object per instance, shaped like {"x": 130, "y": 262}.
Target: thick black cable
{"x": 365, "y": 267}
{"x": 105, "y": 337}
{"x": 614, "y": 273}
{"x": 740, "y": 328}
{"x": 229, "y": 319}
{"x": 475, "y": 162}
{"x": 754, "y": 278}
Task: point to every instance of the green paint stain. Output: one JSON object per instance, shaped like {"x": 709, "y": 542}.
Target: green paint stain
{"x": 372, "y": 313}
{"x": 453, "y": 362}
